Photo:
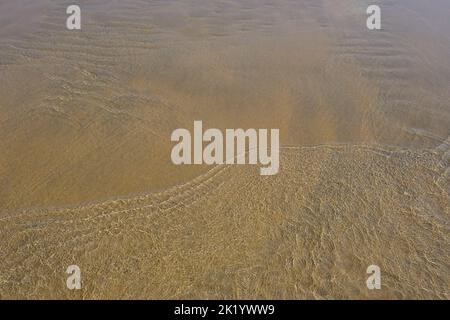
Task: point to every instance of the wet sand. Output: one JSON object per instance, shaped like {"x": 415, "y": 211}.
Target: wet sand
{"x": 85, "y": 169}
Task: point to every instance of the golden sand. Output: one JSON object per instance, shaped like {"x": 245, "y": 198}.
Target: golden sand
{"x": 85, "y": 170}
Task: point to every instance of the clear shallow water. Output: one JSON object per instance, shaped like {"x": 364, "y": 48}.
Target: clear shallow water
{"x": 87, "y": 116}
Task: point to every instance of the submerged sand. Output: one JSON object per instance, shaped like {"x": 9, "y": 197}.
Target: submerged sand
{"x": 87, "y": 116}
{"x": 310, "y": 232}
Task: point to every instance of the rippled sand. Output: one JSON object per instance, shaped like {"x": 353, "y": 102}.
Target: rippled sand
{"x": 87, "y": 116}
{"x": 310, "y": 232}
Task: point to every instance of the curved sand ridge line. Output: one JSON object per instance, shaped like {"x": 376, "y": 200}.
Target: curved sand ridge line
{"x": 309, "y": 232}
{"x": 184, "y": 188}
{"x": 183, "y": 192}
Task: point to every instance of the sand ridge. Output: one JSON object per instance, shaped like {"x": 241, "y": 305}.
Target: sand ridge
{"x": 87, "y": 116}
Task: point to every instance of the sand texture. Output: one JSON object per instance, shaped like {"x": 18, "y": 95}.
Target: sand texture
{"x": 85, "y": 171}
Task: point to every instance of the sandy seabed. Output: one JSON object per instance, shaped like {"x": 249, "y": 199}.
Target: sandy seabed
{"x": 86, "y": 177}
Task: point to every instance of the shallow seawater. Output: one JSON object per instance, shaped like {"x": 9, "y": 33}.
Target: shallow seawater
{"x": 85, "y": 126}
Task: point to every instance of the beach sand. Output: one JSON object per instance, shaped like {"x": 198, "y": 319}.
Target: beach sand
{"x": 86, "y": 176}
